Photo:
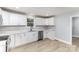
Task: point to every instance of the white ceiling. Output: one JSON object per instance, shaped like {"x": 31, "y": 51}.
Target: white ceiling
{"x": 45, "y": 11}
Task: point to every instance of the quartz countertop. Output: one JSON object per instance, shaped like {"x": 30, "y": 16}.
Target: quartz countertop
{"x": 4, "y": 33}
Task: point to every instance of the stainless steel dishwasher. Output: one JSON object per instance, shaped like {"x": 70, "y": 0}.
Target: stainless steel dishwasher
{"x": 40, "y": 35}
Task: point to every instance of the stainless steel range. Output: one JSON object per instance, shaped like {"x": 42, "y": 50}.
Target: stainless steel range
{"x": 4, "y": 43}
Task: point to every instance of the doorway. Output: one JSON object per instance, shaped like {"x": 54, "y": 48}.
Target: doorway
{"x": 75, "y": 31}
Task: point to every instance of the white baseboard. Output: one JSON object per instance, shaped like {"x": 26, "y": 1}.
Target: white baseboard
{"x": 63, "y": 41}
{"x": 50, "y": 38}
{"x": 75, "y": 36}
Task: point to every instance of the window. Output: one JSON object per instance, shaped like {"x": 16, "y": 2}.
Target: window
{"x": 30, "y": 22}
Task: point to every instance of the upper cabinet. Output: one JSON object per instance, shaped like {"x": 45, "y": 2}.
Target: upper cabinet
{"x": 9, "y": 18}
{"x": 44, "y": 21}
{"x": 16, "y": 19}
{"x": 40, "y": 21}
{"x": 50, "y": 21}
{"x": 5, "y": 18}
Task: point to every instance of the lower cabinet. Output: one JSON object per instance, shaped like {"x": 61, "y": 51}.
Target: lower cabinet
{"x": 18, "y": 39}
{"x": 23, "y": 38}
{"x": 33, "y": 36}
{"x": 12, "y": 41}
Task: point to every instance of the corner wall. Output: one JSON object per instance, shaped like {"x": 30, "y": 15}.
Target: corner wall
{"x": 63, "y": 28}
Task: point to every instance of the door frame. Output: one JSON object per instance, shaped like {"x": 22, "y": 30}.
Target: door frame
{"x": 71, "y": 26}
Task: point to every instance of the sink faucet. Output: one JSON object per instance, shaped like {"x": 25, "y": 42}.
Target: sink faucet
{"x": 31, "y": 28}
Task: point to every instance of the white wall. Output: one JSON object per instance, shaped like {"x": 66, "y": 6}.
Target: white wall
{"x": 63, "y": 28}
{"x": 75, "y": 27}
{"x": 63, "y": 24}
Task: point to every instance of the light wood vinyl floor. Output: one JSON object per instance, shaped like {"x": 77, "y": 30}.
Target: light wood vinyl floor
{"x": 46, "y": 46}
{"x": 75, "y": 42}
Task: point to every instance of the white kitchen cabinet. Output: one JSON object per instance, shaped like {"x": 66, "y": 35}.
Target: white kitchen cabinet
{"x": 12, "y": 41}
{"x": 39, "y": 21}
{"x": 5, "y": 18}
{"x": 16, "y": 19}
{"x": 51, "y": 34}
{"x": 22, "y": 19}
{"x": 44, "y": 21}
{"x": 23, "y": 38}
{"x": 31, "y": 37}
{"x": 34, "y": 37}
{"x": 13, "y": 18}
{"x": 3, "y": 46}
{"x": 16, "y": 40}
{"x": 50, "y": 21}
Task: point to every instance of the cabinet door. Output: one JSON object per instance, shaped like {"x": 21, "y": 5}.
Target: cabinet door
{"x": 35, "y": 36}
{"x": 17, "y": 19}
{"x": 9, "y": 18}
{"x": 23, "y": 38}
{"x": 14, "y": 19}
{"x": 18, "y": 40}
{"x": 40, "y": 21}
{"x": 27, "y": 37}
{"x": 21, "y": 19}
{"x": 50, "y": 21}
{"x": 6, "y": 18}
{"x": 12, "y": 42}
{"x": 51, "y": 34}
{"x": 37, "y": 21}
{"x": 31, "y": 37}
